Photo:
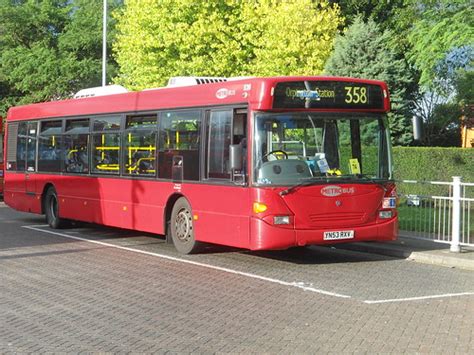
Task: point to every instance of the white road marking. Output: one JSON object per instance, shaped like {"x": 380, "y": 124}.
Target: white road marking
{"x": 223, "y": 269}
{"x": 300, "y": 285}
{"x": 408, "y": 299}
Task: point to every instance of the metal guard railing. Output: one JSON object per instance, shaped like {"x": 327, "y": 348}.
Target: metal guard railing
{"x": 437, "y": 210}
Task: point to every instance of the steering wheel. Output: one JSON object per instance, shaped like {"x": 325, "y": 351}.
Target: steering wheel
{"x": 274, "y": 152}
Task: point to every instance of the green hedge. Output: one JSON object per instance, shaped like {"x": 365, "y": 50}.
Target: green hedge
{"x": 432, "y": 164}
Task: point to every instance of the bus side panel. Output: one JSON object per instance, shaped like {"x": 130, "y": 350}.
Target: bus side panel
{"x": 77, "y": 195}
{"x": 221, "y": 213}
{"x": 131, "y": 204}
{"x": 15, "y": 194}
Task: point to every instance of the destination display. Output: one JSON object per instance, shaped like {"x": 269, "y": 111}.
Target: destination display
{"x": 328, "y": 94}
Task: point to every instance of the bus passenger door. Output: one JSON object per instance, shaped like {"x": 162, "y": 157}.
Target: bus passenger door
{"x": 30, "y": 177}
{"x": 224, "y": 203}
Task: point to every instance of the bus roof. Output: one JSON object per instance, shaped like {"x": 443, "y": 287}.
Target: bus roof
{"x": 256, "y": 92}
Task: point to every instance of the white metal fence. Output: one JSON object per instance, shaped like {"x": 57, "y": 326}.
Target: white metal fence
{"x": 439, "y": 211}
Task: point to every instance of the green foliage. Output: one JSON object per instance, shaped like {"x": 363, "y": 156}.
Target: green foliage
{"x": 431, "y": 164}
{"x": 364, "y": 52}
{"x": 465, "y": 88}
{"x": 49, "y": 49}
{"x": 158, "y": 40}
{"x": 439, "y": 27}
{"x": 443, "y": 129}
{"x": 382, "y": 12}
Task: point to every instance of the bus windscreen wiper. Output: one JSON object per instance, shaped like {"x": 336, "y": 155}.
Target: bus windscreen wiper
{"x": 314, "y": 181}
{"x": 359, "y": 178}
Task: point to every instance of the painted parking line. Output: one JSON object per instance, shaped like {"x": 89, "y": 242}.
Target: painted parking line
{"x": 209, "y": 266}
{"x": 409, "y": 299}
{"x": 299, "y": 285}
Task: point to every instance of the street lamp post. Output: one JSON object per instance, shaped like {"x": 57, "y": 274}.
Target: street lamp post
{"x": 104, "y": 44}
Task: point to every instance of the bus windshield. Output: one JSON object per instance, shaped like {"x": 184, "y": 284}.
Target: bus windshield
{"x": 298, "y": 147}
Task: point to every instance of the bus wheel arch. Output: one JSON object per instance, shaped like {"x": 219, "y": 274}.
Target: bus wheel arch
{"x": 180, "y": 225}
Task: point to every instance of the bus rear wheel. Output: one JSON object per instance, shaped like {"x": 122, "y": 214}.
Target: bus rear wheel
{"x": 182, "y": 228}
{"x": 51, "y": 209}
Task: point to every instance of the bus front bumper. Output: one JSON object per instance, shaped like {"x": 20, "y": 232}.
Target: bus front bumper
{"x": 264, "y": 236}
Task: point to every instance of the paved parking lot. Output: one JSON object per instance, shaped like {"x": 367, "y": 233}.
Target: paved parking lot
{"x": 99, "y": 289}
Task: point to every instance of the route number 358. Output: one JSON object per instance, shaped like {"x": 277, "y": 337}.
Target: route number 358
{"x": 356, "y": 94}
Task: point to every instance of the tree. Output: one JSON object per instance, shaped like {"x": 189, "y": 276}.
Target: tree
{"x": 381, "y": 11}
{"x": 440, "y": 27}
{"x": 364, "y": 51}
{"x": 158, "y": 40}
{"x": 49, "y": 49}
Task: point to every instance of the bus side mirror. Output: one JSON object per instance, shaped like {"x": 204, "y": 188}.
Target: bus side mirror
{"x": 235, "y": 152}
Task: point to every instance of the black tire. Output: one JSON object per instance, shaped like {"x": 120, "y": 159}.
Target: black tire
{"x": 182, "y": 228}
{"x": 51, "y": 210}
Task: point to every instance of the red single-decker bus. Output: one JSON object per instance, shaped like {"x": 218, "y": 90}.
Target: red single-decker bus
{"x": 256, "y": 163}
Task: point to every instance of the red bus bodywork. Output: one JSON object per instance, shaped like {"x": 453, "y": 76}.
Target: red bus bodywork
{"x": 223, "y": 214}
{"x": 2, "y": 167}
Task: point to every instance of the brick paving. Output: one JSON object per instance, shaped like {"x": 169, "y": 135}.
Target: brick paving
{"x": 60, "y": 295}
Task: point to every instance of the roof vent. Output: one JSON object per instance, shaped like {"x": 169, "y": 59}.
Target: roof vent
{"x": 193, "y": 80}
{"x": 100, "y": 91}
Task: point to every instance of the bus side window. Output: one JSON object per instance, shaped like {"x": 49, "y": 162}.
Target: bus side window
{"x": 106, "y": 145}
{"x": 76, "y": 146}
{"x": 180, "y": 136}
{"x": 21, "y": 146}
{"x": 49, "y": 146}
{"x": 140, "y": 145}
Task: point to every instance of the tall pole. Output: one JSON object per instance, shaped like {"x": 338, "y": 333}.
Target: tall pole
{"x": 104, "y": 44}
{"x": 456, "y": 220}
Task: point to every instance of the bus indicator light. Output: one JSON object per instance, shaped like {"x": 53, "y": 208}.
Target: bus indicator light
{"x": 259, "y": 207}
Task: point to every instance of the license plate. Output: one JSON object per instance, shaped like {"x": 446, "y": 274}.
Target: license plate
{"x": 337, "y": 235}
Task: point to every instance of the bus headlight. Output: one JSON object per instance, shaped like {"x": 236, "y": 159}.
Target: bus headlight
{"x": 281, "y": 220}
{"x": 385, "y": 214}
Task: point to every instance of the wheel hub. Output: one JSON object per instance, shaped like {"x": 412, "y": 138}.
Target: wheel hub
{"x": 183, "y": 225}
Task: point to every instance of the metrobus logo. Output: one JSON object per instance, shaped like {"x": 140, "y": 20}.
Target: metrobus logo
{"x": 333, "y": 190}
{"x": 223, "y": 93}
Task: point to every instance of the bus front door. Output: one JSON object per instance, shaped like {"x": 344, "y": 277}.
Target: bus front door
{"x": 30, "y": 176}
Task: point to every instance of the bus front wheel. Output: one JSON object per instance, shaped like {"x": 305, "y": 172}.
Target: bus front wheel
{"x": 182, "y": 227}
{"x": 51, "y": 209}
